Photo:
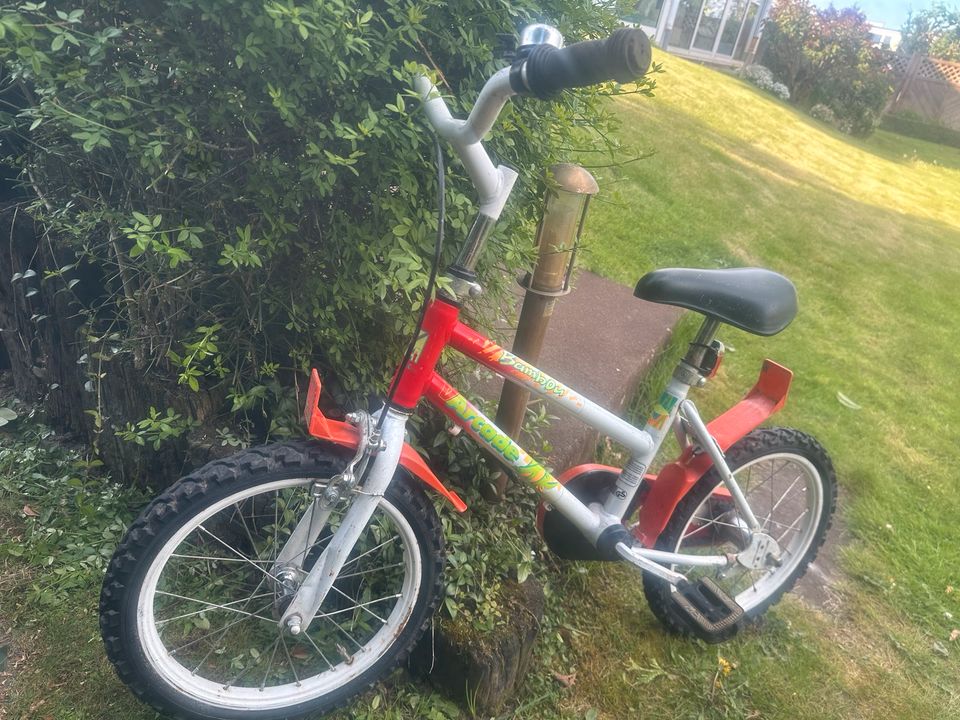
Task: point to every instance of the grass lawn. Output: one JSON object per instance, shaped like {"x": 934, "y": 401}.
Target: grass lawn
{"x": 870, "y": 233}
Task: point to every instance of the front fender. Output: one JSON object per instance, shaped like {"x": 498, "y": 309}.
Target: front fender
{"x": 675, "y": 479}
{"x": 346, "y": 435}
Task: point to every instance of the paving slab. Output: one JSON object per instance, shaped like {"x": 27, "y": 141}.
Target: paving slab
{"x": 600, "y": 341}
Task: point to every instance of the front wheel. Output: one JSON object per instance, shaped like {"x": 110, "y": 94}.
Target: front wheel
{"x": 191, "y": 601}
{"x": 790, "y": 485}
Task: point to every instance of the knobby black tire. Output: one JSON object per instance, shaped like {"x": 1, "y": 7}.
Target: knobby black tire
{"x": 755, "y": 445}
{"x": 191, "y": 495}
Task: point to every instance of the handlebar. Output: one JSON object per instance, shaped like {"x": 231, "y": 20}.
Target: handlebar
{"x": 624, "y": 56}
{"x": 541, "y": 71}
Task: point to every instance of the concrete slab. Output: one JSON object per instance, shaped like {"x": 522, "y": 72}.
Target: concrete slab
{"x": 600, "y": 341}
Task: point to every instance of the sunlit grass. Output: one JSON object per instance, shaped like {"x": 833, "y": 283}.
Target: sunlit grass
{"x": 869, "y": 231}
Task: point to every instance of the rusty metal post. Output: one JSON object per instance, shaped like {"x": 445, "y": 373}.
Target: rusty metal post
{"x": 564, "y": 212}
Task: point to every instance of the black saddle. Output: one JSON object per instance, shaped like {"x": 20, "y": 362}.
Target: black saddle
{"x": 759, "y": 301}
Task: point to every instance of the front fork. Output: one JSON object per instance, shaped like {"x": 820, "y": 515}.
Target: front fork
{"x": 311, "y": 593}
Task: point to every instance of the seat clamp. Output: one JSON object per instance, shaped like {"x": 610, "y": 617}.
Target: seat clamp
{"x": 688, "y": 375}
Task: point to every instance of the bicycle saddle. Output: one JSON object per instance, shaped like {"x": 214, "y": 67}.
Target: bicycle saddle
{"x": 759, "y": 301}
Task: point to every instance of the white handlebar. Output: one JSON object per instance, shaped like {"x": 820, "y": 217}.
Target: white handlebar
{"x": 493, "y": 183}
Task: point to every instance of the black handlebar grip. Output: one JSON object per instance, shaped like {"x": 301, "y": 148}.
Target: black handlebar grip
{"x": 624, "y": 56}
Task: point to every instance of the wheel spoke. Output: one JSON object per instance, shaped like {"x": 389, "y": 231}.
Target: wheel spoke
{"x": 236, "y": 552}
{"x": 792, "y": 527}
{"x": 782, "y": 497}
{"x": 248, "y": 668}
{"x": 220, "y": 630}
{"x": 253, "y": 544}
{"x": 371, "y": 570}
{"x": 286, "y": 651}
{"x": 329, "y": 664}
{"x": 218, "y": 559}
{"x": 373, "y": 549}
{"x": 225, "y": 606}
{"x": 328, "y": 616}
{"x": 266, "y": 674}
{"x": 363, "y": 606}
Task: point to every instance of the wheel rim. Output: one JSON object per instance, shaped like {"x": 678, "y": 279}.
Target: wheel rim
{"x": 785, "y": 492}
{"x": 230, "y": 652}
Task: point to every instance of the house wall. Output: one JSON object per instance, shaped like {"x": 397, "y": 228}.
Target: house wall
{"x": 663, "y": 34}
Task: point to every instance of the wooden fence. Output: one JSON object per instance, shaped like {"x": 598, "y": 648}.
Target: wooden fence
{"x": 927, "y": 87}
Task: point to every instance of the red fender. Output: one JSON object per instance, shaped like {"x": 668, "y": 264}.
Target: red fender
{"x": 346, "y": 435}
{"x": 676, "y": 478}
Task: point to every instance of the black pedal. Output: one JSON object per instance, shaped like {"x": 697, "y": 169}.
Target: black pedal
{"x": 711, "y": 614}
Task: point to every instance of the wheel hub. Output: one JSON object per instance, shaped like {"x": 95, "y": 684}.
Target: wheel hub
{"x": 762, "y": 552}
{"x": 285, "y": 585}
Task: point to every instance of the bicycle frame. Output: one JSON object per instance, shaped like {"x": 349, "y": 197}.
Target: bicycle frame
{"x": 419, "y": 379}
{"x": 441, "y": 329}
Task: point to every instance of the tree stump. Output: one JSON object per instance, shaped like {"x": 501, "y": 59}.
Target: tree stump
{"x": 484, "y": 670}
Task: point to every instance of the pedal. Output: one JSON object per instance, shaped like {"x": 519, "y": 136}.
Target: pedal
{"x": 711, "y": 614}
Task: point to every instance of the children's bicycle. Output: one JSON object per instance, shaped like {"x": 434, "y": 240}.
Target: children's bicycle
{"x": 288, "y": 578}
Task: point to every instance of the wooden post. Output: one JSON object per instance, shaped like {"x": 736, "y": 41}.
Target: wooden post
{"x": 909, "y": 74}
{"x": 564, "y": 211}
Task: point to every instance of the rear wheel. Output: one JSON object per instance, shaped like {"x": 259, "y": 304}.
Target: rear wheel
{"x": 790, "y": 485}
{"x": 191, "y": 601}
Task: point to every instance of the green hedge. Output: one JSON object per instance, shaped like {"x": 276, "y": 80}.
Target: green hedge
{"x": 920, "y": 129}
{"x": 248, "y": 188}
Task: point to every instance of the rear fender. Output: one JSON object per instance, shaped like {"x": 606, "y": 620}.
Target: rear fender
{"x": 346, "y": 435}
{"x": 677, "y": 478}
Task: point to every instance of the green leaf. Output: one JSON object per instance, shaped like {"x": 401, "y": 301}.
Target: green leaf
{"x": 7, "y": 415}
{"x": 451, "y": 606}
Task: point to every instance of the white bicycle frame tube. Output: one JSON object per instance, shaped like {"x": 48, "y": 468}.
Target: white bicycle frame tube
{"x": 642, "y": 443}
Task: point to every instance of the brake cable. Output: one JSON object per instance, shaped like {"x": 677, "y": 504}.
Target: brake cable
{"x": 431, "y": 283}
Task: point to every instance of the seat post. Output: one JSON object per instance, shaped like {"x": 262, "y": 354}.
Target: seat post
{"x": 699, "y": 345}
{"x": 688, "y": 370}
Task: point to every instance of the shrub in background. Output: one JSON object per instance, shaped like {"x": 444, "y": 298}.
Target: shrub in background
{"x": 763, "y": 79}
{"x": 934, "y": 31}
{"x": 231, "y": 191}
{"x": 913, "y": 125}
{"x": 826, "y": 57}
{"x": 823, "y": 113}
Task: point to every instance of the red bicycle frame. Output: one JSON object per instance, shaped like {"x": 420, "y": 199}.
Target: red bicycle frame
{"x": 419, "y": 378}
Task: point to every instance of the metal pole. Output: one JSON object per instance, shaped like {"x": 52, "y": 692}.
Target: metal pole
{"x": 564, "y": 211}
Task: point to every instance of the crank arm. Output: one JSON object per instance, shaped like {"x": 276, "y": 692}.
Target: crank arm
{"x": 318, "y": 582}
